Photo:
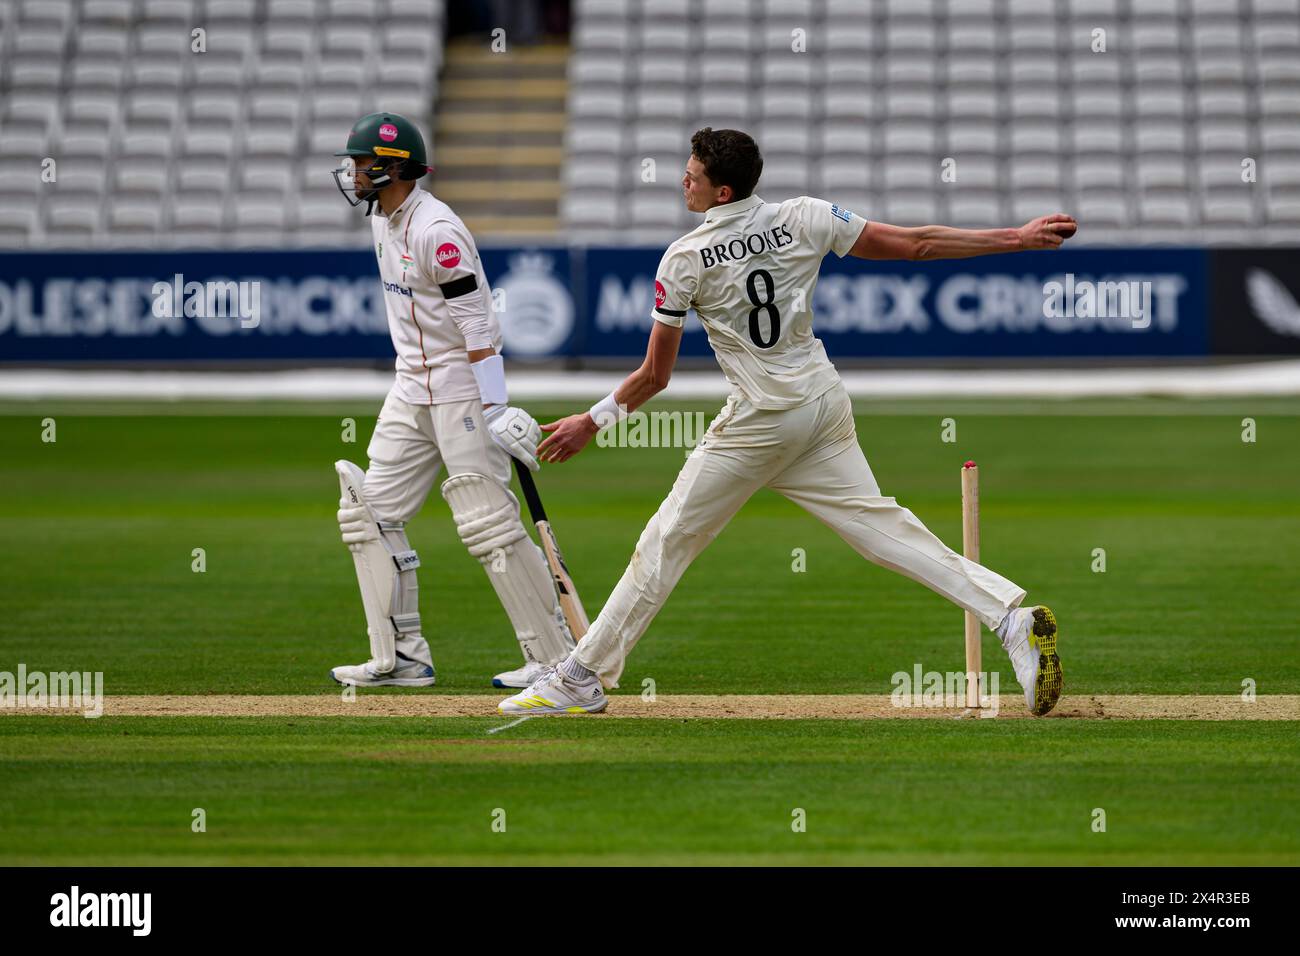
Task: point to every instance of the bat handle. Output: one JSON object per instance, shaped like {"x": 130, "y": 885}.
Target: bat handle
{"x": 529, "y": 488}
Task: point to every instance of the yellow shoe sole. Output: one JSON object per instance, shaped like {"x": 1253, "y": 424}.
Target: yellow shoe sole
{"x": 540, "y": 707}
{"x": 1047, "y": 688}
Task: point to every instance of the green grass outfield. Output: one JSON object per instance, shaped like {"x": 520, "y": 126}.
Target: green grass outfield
{"x": 387, "y": 791}
{"x": 1201, "y": 533}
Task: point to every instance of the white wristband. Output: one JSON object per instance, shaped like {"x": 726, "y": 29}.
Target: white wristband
{"x": 490, "y": 374}
{"x": 607, "y": 411}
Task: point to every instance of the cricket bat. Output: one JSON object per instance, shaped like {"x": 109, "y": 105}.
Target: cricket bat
{"x": 570, "y": 603}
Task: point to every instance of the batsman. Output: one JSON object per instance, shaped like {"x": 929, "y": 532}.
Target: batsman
{"x": 447, "y": 408}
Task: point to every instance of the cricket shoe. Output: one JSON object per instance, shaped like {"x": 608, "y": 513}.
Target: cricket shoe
{"x": 521, "y": 677}
{"x": 407, "y": 673}
{"x": 1029, "y": 638}
{"x": 553, "y": 693}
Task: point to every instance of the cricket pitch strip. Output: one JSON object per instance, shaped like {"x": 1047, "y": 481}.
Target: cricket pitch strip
{"x": 776, "y": 706}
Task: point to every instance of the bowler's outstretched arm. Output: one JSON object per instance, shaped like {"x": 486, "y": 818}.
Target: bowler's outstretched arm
{"x": 880, "y": 240}
{"x": 568, "y": 436}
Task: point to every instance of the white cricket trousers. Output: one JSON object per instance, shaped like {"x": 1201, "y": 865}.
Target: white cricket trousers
{"x": 811, "y": 455}
{"x": 412, "y": 443}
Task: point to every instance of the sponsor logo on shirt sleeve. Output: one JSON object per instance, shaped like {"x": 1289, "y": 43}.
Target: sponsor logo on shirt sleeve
{"x": 448, "y": 255}
{"x": 661, "y": 294}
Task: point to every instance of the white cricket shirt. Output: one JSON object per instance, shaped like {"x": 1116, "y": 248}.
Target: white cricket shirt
{"x": 749, "y": 271}
{"x": 430, "y": 269}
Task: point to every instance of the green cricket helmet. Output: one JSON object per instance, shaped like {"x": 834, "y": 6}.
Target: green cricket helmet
{"x": 396, "y": 149}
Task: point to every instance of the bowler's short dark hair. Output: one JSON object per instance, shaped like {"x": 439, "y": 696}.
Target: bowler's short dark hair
{"x": 730, "y": 158}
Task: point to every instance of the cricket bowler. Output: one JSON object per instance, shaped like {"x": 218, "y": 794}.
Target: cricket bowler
{"x": 447, "y": 409}
{"x": 749, "y": 271}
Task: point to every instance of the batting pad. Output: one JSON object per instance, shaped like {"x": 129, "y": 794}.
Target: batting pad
{"x": 487, "y": 517}
{"x": 385, "y": 566}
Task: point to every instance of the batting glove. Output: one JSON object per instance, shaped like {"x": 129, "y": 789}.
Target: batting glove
{"x": 516, "y": 431}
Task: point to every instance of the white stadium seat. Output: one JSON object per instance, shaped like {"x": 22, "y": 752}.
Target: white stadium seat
{"x": 1160, "y": 136}
{"x": 975, "y": 210}
{"x": 610, "y": 36}
{"x": 728, "y": 11}
{"x": 19, "y": 218}
{"x": 588, "y": 210}
{"x": 254, "y": 214}
{"x": 128, "y": 214}
{"x": 846, "y": 175}
{"x": 845, "y": 140}
{"x": 174, "y": 13}
{"x": 1171, "y": 210}
{"x": 1157, "y": 172}
{"x": 72, "y": 217}
{"x": 974, "y": 136}
{"x": 1035, "y": 136}
{"x": 48, "y": 13}
{"x": 1103, "y": 208}
{"x": 665, "y": 9}
{"x": 724, "y": 68}
{"x": 329, "y": 213}
{"x": 203, "y": 176}
{"x": 768, "y": 9}
{"x": 656, "y": 206}
{"x": 603, "y": 9}
{"x": 901, "y": 104}
{"x": 906, "y": 173}
{"x": 114, "y": 12}
{"x": 594, "y": 174}
{"x": 783, "y": 179}
{"x": 984, "y": 173}
{"x": 190, "y": 214}
{"x": 789, "y": 136}
{"x": 911, "y": 209}
{"x": 662, "y": 136}
{"x": 660, "y": 103}
{"x": 593, "y": 137}
{"x": 911, "y": 137}
{"x": 144, "y": 144}
{"x": 86, "y": 144}
{"x": 597, "y": 103}
{"x": 220, "y": 11}
{"x": 795, "y": 70}
{"x": 969, "y": 10}
{"x": 597, "y": 69}
{"x": 727, "y": 36}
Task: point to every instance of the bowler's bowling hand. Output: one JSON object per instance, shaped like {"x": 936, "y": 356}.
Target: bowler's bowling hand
{"x": 1047, "y": 232}
{"x": 566, "y": 437}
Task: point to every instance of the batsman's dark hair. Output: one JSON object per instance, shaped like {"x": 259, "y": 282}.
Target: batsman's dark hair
{"x": 730, "y": 158}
